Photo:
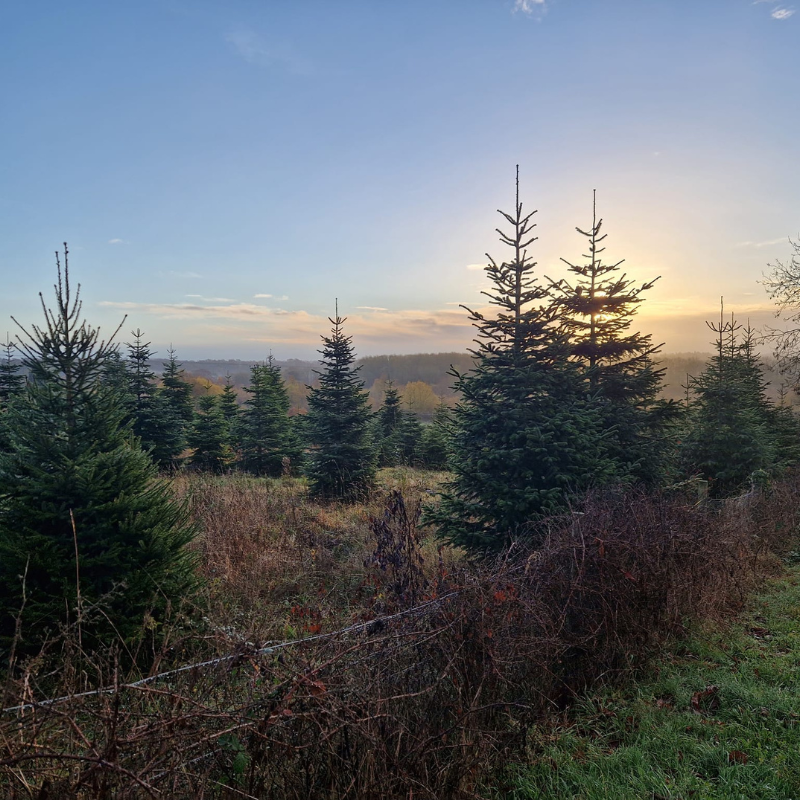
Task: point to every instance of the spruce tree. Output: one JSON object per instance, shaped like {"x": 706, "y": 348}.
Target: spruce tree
{"x": 597, "y": 308}
{"x": 208, "y": 437}
{"x": 728, "y": 435}
{"x": 11, "y": 384}
{"x": 229, "y": 407}
{"x": 11, "y": 381}
{"x": 87, "y": 532}
{"x": 524, "y": 436}
{"x": 266, "y": 435}
{"x": 177, "y": 392}
{"x": 153, "y": 418}
{"x": 435, "y": 444}
{"x": 342, "y": 461}
{"x": 387, "y": 424}
{"x": 409, "y": 439}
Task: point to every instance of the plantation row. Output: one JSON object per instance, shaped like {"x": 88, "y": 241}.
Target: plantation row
{"x": 562, "y": 398}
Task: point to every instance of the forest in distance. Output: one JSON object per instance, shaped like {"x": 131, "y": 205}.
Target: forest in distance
{"x": 432, "y": 369}
{"x": 500, "y": 529}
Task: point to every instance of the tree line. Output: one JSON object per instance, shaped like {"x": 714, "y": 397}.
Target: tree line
{"x": 560, "y": 396}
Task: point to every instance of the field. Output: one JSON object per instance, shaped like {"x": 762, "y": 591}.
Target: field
{"x": 341, "y": 651}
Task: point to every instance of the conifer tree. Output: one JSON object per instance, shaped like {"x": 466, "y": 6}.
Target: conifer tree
{"x": 11, "y": 381}
{"x": 11, "y": 384}
{"x": 728, "y": 436}
{"x": 524, "y": 435}
{"x": 265, "y": 432}
{"x": 342, "y": 461}
{"x": 154, "y": 420}
{"x": 228, "y": 402}
{"x": 176, "y": 391}
{"x": 409, "y": 439}
{"x": 435, "y": 444}
{"x": 785, "y": 425}
{"x": 208, "y": 437}
{"x": 87, "y": 532}
{"x": 388, "y": 423}
{"x": 229, "y": 407}
{"x": 597, "y": 309}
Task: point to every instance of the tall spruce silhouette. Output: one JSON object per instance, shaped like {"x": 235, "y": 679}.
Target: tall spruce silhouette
{"x": 524, "y": 435}
{"x": 87, "y": 532}
{"x": 341, "y": 463}
{"x": 598, "y": 304}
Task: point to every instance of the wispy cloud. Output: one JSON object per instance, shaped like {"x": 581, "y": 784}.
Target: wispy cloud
{"x": 177, "y": 274}
{"x": 279, "y": 298}
{"x": 118, "y": 241}
{"x": 530, "y": 7}
{"x": 371, "y": 308}
{"x": 211, "y": 299}
{"x": 768, "y": 243}
{"x": 255, "y": 50}
{"x": 476, "y": 267}
{"x": 782, "y": 13}
{"x": 445, "y": 328}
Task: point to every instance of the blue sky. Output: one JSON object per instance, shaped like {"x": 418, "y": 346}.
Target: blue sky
{"x": 223, "y": 170}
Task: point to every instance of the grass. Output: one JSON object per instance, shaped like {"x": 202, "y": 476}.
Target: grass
{"x": 277, "y": 565}
{"x": 718, "y": 717}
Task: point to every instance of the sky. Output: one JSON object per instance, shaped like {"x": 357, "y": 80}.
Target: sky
{"x": 224, "y": 170}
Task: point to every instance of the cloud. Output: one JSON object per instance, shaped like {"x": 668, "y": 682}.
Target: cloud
{"x": 254, "y": 50}
{"x": 279, "y": 298}
{"x": 371, "y": 308}
{"x": 530, "y": 6}
{"x": 768, "y": 243}
{"x": 176, "y": 274}
{"x": 440, "y": 328}
{"x": 782, "y": 13}
{"x": 118, "y": 241}
{"x": 212, "y": 299}
{"x": 476, "y": 267}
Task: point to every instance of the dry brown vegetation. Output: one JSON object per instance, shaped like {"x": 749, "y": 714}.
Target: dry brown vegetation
{"x": 442, "y": 670}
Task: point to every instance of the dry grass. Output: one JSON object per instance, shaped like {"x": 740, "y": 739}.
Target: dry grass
{"x": 278, "y": 565}
{"x": 427, "y": 703}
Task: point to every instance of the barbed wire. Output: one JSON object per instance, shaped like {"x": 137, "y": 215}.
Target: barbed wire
{"x": 265, "y": 649}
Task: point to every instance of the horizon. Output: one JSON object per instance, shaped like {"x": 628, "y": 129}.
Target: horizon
{"x": 222, "y": 173}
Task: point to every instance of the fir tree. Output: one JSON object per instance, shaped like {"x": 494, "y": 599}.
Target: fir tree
{"x": 229, "y": 407}
{"x": 208, "y": 437}
{"x": 228, "y": 402}
{"x": 598, "y": 307}
{"x": 176, "y": 391}
{"x": 409, "y": 439}
{"x": 342, "y": 462}
{"x": 11, "y": 384}
{"x": 265, "y": 433}
{"x": 524, "y": 436}
{"x": 435, "y": 444}
{"x": 154, "y": 420}
{"x": 11, "y": 381}
{"x": 728, "y": 436}
{"x": 785, "y": 426}
{"x": 388, "y": 424}
{"x": 87, "y": 532}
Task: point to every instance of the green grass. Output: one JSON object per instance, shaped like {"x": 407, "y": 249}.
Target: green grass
{"x": 740, "y": 740}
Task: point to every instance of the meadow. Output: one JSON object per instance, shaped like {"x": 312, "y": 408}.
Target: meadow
{"x": 343, "y": 651}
